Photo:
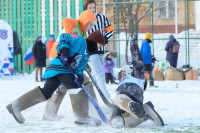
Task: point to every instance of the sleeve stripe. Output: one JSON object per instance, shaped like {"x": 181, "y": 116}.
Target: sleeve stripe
{"x": 110, "y": 28}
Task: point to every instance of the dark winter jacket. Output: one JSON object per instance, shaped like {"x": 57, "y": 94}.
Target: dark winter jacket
{"x": 171, "y": 57}
{"x": 17, "y": 45}
{"x": 146, "y": 52}
{"x": 39, "y": 53}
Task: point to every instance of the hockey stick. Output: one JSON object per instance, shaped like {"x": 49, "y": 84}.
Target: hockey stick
{"x": 99, "y": 90}
{"x": 181, "y": 70}
{"x": 99, "y": 111}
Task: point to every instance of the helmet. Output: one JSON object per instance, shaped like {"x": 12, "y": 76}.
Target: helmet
{"x": 127, "y": 68}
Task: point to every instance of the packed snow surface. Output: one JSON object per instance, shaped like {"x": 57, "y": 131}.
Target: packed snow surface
{"x": 179, "y": 108}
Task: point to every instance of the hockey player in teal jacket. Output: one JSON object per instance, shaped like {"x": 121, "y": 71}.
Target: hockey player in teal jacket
{"x": 77, "y": 56}
{"x": 72, "y": 50}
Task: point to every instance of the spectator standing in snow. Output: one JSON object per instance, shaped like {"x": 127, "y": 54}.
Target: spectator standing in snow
{"x": 108, "y": 68}
{"x": 172, "y": 48}
{"x": 50, "y": 45}
{"x": 39, "y": 53}
{"x": 147, "y": 57}
{"x": 97, "y": 60}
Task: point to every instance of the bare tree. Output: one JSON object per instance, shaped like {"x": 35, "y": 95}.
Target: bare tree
{"x": 132, "y": 13}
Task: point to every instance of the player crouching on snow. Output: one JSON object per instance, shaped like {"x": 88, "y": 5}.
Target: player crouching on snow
{"x": 72, "y": 50}
{"x": 130, "y": 110}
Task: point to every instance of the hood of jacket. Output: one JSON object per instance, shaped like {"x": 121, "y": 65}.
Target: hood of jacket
{"x": 85, "y": 17}
{"x": 171, "y": 38}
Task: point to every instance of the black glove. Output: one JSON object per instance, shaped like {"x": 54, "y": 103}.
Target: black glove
{"x": 75, "y": 60}
{"x": 78, "y": 80}
{"x": 63, "y": 59}
{"x": 153, "y": 59}
{"x": 63, "y": 55}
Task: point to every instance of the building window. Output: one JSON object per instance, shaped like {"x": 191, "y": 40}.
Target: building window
{"x": 165, "y": 9}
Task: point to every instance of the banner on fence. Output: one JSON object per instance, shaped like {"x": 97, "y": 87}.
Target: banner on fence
{"x": 6, "y": 49}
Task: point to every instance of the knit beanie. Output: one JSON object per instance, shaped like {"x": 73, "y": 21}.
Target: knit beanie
{"x": 96, "y": 37}
{"x": 38, "y": 37}
{"x": 52, "y": 36}
{"x": 106, "y": 54}
{"x": 148, "y": 36}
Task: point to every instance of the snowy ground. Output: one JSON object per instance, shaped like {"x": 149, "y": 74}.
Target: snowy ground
{"x": 179, "y": 108}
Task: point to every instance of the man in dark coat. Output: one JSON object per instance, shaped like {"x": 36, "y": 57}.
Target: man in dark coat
{"x": 171, "y": 56}
{"x": 39, "y": 53}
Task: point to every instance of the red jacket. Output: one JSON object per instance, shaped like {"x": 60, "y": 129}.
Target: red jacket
{"x": 49, "y": 46}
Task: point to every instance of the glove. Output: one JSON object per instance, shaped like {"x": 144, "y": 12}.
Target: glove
{"x": 64, "y": 59}
{"x": 63, "y": 55}
{"x": 75, "y": 60}
{"x": 76, "y": 80}
{"x": 153, "y": 59}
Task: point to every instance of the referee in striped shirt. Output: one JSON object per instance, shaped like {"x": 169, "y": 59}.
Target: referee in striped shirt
{"x": 97, "y": 60}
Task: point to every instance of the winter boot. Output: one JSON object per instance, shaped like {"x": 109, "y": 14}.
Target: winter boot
{"x": 117, "y": 120}
{"x": 152, "y": 84}
{"x": 130, "y": 120}
{"x": 152, "y": 114}
{"x": 80, "y": 106}
{"x": 27, "y": 100}
{"x": 53, "y": 104}
{"x": 125, "y": 103}
{"x": 125, "y": 119}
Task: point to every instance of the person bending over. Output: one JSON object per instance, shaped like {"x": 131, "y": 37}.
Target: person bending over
{"x": 128, "y": 98}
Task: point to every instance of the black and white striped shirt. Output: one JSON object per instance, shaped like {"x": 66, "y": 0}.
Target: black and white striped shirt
{"x": 102, "y": 24}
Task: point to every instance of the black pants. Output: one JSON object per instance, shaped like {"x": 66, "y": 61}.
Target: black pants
{"x": 109, "y": 77}
{"x": 52, "y": 83}
{"x": 149, "y": 68}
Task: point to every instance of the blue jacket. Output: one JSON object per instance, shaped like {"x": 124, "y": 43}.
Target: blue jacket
{"x": 146, "y": 52}
{"x": 76, "y": 45}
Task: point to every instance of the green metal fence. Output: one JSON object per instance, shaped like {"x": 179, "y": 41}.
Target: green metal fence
{"x": 25, "y": 17}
